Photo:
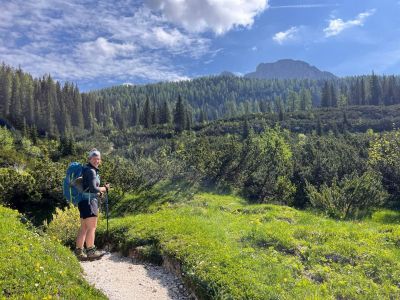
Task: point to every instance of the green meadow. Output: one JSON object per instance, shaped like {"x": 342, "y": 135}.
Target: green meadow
{"x": 229, "y": 249}
{"x": 33, "y": 266}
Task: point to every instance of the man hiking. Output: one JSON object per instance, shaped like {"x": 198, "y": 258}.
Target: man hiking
{"x": 89, "y": 208}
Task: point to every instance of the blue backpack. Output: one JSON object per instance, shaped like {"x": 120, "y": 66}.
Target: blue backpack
{"x": 72, "y": 185}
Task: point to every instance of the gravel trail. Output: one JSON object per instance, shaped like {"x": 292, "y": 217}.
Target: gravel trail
{"x": 125, "y": 278}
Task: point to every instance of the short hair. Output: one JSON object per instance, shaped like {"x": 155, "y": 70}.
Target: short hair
{"x": 93, "y": 152}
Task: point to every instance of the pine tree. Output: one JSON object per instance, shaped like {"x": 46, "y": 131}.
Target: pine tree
{"x": 147, "y": 114}
{"x": 180, "y": 115}
{"x": 29, "y": 106}
{"x": 33, "y": 134}
{"x": 50, "y": 100}
{"x": 346, "y": 123}
{"x": 203, "y": 116}
{"x": 280, "y": 108}
{"x": 363, "y": 93}
{"x": 293, "y": 101}
{"x": 375, "y": 90}
{"x": 5, "y": 90}
{"x": 76, "y": 115}
{"x": 188, "y": 119}
{"x": 245, "y": 130}
{"x": 165, "y": 113}
{"x": 326, "y": 95}
{"x": 389, "y": 91}
{"x": 353, "y": 93}
{"x": 155, "y": 114}
{"x": 333, "y": 95}
{"x": 305, "y": 100}
{"x": 134, "y": 115}
{"x": 15, "y": 104}
{"x": 319, "y": 127}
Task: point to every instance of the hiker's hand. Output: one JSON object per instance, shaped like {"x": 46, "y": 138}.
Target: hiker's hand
{"x": 107, "y": 186}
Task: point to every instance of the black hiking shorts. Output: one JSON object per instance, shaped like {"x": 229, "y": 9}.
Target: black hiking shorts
{"x": 88, "y": 208}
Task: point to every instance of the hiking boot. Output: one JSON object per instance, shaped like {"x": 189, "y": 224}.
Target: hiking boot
{"x": 80, "y": 254}
{"x": 93, "y": 254}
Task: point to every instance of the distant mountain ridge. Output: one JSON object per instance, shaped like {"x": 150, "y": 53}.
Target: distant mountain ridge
{"x": 289, "y": 69}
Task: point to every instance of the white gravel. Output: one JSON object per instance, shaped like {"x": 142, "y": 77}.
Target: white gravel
{"x": 125, "y": 278}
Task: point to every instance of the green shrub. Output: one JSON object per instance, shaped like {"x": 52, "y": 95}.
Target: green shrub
{"x": 384, "y": 158}
{"x": 6, "y": 139}
{"x": 49, "y": 176}
{"x": 268, "y": 168}
{"x": 34, "y": 266}
{"x": 64, "y": 225}
{"x": 17, "y": 187}
{"x": 320, "y": 159}
{"x": 29, "y": 148}
{"x": 352, "y": 197}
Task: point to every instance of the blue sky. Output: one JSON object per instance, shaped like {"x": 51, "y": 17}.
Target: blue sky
{"x": 102, "y": 43}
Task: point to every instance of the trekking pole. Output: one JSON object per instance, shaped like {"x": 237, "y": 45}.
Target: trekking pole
{"x": 107, "y": 236}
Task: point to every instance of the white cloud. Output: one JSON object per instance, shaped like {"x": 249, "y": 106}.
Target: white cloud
{"x": 254, "y": 48}
{"x": 82, "y": 40}
{"x": 101, "y": 48}
{"x": 336, "y": 26}
{"x": 283, "y": 36}
{"x": 218, "y": 16}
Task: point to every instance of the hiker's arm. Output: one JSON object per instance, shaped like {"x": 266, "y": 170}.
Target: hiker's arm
{"x": 104, "y": 188}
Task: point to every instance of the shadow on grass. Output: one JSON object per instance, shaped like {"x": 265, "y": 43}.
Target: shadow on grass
{"x": 153, "y": 199}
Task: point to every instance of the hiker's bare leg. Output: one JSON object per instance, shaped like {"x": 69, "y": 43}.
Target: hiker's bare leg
{"x": 91, "y": 224}
{"x": 81, "y": 234}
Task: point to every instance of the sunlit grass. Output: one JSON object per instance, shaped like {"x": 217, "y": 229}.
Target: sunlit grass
{"x": 229, "y": 249}
{"x": 33, "y": 266}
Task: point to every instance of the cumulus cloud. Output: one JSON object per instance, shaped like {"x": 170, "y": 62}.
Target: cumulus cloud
{"x": 336, "y": 26}
{"x": 101, "y": 48}
{"x": 82, "y": 40}
{"x": 218, "y": 16}
{"x": 283, "y": 36}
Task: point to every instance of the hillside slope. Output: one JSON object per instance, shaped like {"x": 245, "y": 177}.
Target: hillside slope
{"x": 231, "y": 250}
{"x": 33, "y": 266}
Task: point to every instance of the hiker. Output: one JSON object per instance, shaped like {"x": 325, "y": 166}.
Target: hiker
{"x": 88, "y": 207}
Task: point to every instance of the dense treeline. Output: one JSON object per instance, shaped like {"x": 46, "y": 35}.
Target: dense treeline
{"x": 227, "y": 96}
{"x": 302, "y": 157}
{"x": 41, "y": 104}
{"x": 61, "y": 110}
{"x": 53, "y": 109}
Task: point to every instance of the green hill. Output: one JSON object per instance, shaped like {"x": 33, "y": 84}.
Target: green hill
{"x": 32, "y": 266}
{"x": 229, "y": 249}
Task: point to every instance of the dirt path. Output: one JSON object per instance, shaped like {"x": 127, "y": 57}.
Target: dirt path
{"x": 126, "y": 278}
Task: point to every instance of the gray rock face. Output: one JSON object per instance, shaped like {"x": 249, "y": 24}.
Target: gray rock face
{"x": 289, "y": 69}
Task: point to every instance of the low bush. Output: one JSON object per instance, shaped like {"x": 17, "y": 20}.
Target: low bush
{"x": 64, "y": 225}
{"x": 352, "y": 197}
{"x": 6, "y": 139}
{"x": 384, "y": 158}
{"x": 17, "y": 187}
